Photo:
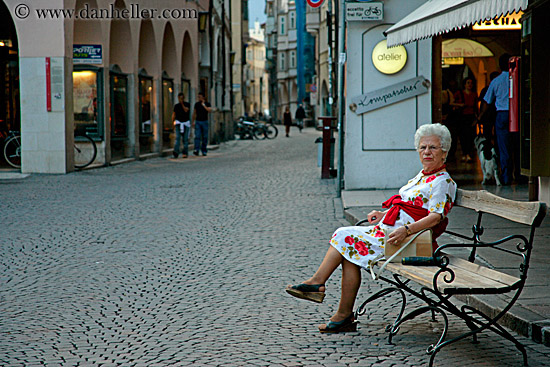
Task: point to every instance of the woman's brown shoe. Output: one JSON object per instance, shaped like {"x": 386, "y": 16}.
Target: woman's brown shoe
{"x": 308, "y": 292}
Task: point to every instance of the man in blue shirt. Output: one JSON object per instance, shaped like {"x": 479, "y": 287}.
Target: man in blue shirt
{"x": 499, "y": 93}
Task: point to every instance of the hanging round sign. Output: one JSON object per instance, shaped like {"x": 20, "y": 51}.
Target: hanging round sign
{"x": 389, "y": 60}
{"x": 315, "y": 3}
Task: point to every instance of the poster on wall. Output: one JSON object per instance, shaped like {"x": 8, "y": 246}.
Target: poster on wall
{"x": 87, "y": 54}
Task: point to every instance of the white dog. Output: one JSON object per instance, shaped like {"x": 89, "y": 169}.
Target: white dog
{"x": 487, "y": 158}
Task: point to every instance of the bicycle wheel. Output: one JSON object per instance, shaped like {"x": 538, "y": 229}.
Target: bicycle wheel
{"x": 85, "y": 151}
{"x": 259, "y": 132}
{"x": 271, "y": 131}
{"x": 12, "y": 151}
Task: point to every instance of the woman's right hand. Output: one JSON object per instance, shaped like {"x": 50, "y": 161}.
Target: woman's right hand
{"x": 375, "y": 216}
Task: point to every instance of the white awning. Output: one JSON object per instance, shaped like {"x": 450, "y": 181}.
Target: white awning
{"x": 441, "y": 16}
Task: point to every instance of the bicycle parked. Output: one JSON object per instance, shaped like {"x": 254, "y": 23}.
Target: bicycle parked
{"x": 85, "y": 149}
{"x": 250, "y": 129}
{"x": 12, "y": 149}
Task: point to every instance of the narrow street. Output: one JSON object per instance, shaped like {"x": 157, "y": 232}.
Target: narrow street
{"x": 173, "y": 262}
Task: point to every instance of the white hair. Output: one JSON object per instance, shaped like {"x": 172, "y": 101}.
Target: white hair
{"x": 438, "y": 130}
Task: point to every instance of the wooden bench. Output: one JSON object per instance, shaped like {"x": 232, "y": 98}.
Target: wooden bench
{"x": 457, "y": 276}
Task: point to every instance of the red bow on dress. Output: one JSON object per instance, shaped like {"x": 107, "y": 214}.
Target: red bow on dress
{"x": 416, "y": 212}
{"x": 395, "y": 204}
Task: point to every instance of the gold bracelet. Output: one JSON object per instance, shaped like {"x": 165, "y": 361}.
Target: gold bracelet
{"x": 408, "y": 230}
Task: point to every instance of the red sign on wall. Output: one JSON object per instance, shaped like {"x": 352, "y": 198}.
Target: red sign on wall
{"x": 48, "y": 85}
{"x": 315, "y": 3}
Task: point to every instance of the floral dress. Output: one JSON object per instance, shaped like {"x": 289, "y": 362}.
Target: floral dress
{"x": 362, "y": 244}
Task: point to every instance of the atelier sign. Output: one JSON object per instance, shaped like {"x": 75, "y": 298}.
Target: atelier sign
{"x": 388, "y": 60}
{"x": 364, "y": 11}
{"x": 386, "y": 96}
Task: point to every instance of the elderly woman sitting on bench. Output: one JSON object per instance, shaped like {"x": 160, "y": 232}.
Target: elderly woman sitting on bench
{"x": 422, "y": 203}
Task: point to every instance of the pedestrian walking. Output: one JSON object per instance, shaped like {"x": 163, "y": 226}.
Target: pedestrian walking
{"x": 422, "y": 203}
{"x": 200, "y": 121}
{"x": 287, "y": 120}
{"x": 180, "y": 118}
{"x": 499, "y": 93}
{"x": 300, "y": 116}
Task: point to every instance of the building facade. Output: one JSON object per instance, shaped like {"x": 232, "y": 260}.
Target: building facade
{"x": 113, "y": 69}
{"x": 257, "y": 79}
{"x": 239, "y": 38}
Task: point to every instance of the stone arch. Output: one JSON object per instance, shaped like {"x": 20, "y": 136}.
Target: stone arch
{"x": 169, "y": 59}
{"x": 147, "y": 58}
{"x": 87, "y": 31}
{"x": 188, "y": 67}
{"x": 120, "y": 47}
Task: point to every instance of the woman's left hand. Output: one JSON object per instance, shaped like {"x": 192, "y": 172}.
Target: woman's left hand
{"x": 397, "y": 236}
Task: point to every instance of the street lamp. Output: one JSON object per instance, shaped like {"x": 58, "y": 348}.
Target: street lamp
{"x": 203, "y": 20}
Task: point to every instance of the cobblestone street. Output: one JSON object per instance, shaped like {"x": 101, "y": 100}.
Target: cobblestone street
{"x": 173, "y": 262}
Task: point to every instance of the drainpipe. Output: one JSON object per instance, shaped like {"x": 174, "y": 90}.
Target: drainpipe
{"x": 341, "y": 102}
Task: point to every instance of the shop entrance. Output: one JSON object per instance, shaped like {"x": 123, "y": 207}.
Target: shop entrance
{"x": 469, "y": 63}
{"x": 146, "y": 127}
{"x": 10, "y": 116}
{"x": 168, "y": 135}
{"x": 120, "y": 147}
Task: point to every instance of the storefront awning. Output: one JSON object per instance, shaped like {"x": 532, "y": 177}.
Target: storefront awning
{"x": 441, "y": 16}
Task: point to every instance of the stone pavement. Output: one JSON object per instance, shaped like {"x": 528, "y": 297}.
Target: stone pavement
{"x": 530, "y": 316}
{"x": 172, "y": 262}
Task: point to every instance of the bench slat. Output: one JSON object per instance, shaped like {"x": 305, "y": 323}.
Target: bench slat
{"x": 484, "y": 271}
{"x": 467, "y": 276}
{"x": 530, "y": 213}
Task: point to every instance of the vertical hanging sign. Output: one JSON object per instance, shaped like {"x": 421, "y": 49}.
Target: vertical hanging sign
{"x": 315, "y": 3}
{"x": 48, "y": 85}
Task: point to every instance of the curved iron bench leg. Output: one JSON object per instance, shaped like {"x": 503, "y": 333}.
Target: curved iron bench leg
{"x": 417, "y": 312}
{"x": 494, "y": 327}
{"x": 382, "y": 293}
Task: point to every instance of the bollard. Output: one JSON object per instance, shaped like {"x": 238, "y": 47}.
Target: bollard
{"x": 328, "y": 147}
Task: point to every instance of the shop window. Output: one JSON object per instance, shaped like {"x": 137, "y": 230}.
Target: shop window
{"x": 88, "y": 100}
{"x": 119, "y": 104}
{"x": 167, "y": 108}
{"x": 145, "y": 98}
{"x": 186, "y": 90}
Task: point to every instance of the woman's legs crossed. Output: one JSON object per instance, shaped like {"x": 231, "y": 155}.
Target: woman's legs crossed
{"x": 331, "y": 261}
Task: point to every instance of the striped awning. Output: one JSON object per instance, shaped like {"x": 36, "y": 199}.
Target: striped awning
{"x": 441, "y": 16}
